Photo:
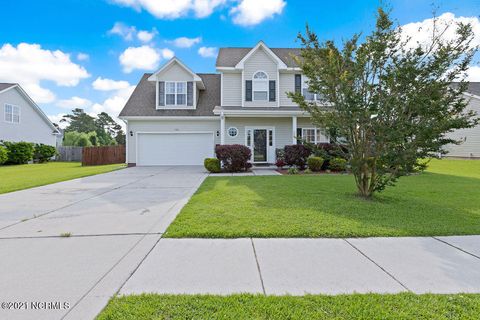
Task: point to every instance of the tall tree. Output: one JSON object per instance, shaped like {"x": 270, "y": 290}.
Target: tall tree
{"x": 79, "y": 121}
{"x": 393, "y": 105}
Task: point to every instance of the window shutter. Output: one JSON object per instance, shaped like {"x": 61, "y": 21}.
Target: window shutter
{"x": 161, "y": 93}
{"x": 271, "y": 90}
{"x": 299, "y": 135}
{"x": 248, "y": 90}
{"x": 298, "y": 83}
{"x": 190, "y": 93}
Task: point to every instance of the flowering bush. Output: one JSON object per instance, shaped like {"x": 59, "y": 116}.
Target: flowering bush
{"x": 234, "y": 157}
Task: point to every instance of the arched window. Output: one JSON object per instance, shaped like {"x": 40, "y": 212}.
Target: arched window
{"x": 260, "y": 86}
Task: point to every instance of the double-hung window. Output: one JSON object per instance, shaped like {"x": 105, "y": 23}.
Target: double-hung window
{"x": 313, "y": 135}
{"x": 260, "y": 86}
{"x": 12, "y": 113}
{"x": 176, "y": 93}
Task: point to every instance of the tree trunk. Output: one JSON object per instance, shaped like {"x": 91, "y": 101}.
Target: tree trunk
{"x": 364, "y": 178}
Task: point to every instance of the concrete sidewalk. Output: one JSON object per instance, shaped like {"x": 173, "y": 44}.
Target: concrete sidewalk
{"x": 310, "y": 266}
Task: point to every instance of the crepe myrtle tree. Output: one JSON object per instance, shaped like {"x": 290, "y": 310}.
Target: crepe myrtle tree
{"x": 392, "y": 104}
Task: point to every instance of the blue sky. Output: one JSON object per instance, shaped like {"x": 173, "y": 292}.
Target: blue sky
{"x": 76, "y": 44}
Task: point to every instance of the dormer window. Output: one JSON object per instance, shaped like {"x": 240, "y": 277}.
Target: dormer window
{"x": 260, "y": 86}
{"x": 175, "y": 93}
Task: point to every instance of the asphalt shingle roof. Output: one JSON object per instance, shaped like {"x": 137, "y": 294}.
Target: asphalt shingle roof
{"x": 229, "y": 57}
{"x": 4, "y": 86}
{"x": 142, "y": 100}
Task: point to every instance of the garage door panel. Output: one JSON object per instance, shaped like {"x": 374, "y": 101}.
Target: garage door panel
{"x": 174, "y": 148}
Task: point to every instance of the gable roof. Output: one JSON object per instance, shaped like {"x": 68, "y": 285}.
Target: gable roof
{"x": 196, "y": 78}
{"x": 230, "y": 57}
{"x": 7, "y": 86}
{"x": 142, "y": 100}
{"x": 261, "y": 45}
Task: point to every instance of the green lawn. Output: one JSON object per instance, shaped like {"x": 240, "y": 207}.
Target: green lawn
{"x": 367, "y": 306}
{"x": 13, "y": 178}
{"x": 445, "y": 200}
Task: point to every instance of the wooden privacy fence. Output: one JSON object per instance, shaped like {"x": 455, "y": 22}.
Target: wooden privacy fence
{"x": 69, "y": 153}
{"x": 93, "y": 156}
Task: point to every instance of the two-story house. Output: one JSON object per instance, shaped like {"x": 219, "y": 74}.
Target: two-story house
{"x": 176, "y": 116}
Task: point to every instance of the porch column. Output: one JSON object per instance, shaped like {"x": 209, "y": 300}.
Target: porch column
{"x": 294, "y": 129}
{"x": 222, "y": 128}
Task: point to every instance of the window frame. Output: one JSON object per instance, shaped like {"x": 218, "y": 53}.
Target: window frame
{"x": 265, "y": 81}
{"x": 236, "y": 134}
{"x": 176, "y": 94}
{"x": 317, "y": 135}
{"x": 12, "y": 114}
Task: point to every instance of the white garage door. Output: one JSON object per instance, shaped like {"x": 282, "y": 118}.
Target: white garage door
{"x": 179, "y": 148}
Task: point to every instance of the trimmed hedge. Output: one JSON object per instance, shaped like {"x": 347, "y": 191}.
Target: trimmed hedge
{"x": 234, "y": 157}
{"x": 19, "y": 152}
{"x": 296, "y": 155}
{"x": 43, "y": 153}
{"x": 315, "y": 163}
{"x": 212, "y": 165}
{"x": 338, "y": 164}
{"x": 3, "y": 155}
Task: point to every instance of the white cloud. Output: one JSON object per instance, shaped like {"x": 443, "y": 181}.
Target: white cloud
{"x": 83, "y": 56}
{"x": 208, "y": 52}
{"x": 29, "y": 64}
{"x": 252, "y": 12}
{"x": 473, "y": 74}
{"x": 56, "y": 119}
{"x": 167, "y": 53}
{"x": 144, "y": 57}
{"x": 172, "y": 9}
{"x": 114, "y": 104}
{"x": 126, "y": 32}
{"x": 74, "y": 102}
{"x": 146, "y": 36}
{"x": 104, "y": 84}
{"x": 421, "y": 32}
{"x": 184, "y": 42}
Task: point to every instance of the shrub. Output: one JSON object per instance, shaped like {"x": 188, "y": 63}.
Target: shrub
{"x": 292, "y": 170}
{"x": 280, "y": 154}
{"x": 83, "y": 141}
{"x": 212, "y": 165}
{"x": 234, "y": 157}
{"x": 329, "y": 151}
{"x": 280, "y": 163}
{"x": 296, "y": 155}
{"x": 338, "y": 164}
{"x": 19, "y": 152}
{"x": 315, "y": 163}
{"x": 43, "y": 152}
{"x": 308, "y": 171}
{"x": 3, "y": 155}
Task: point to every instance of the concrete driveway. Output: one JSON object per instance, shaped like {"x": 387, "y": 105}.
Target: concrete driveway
{"x": 113, "y": 221}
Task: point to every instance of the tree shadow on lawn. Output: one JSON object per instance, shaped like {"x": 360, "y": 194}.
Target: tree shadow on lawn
{"x": 327, "y": 206}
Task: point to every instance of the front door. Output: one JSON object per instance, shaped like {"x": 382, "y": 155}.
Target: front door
{"x": 260, "y": 145}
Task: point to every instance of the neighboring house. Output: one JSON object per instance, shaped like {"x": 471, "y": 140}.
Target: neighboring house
{"x": 21, "y": 118}
{"x": 470, "y": 147}
{"x": 176, "y": 116}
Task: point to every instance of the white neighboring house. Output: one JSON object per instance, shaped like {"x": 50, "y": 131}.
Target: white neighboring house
{"x": 21, "y": 119}
{"x": 176, "y": 116}
{"x": 470, "y": 147}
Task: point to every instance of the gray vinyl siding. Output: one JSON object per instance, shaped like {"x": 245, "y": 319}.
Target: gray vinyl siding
{"x": 32, "y": 127}
{"x": 470, "y": 148}
{"x": 287, "y": 84}
{"x": 232, "y": 89}
{"x": 166, "y": 126}
{"x": 260, "y": 61}
{"x": 283, "y": 129}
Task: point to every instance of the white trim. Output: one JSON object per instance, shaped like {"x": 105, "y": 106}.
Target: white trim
{"x": 294, "y": 130}
{"x": 127, "y": 135}
{"x": 221, "y": 89}
{"x": 253, "y": 86}
{"x": 280, "y": 63}
{"x": 168, "y": 118}
{"x": 154, "y": 76}
{"x": 157, "y": 104}
{"x": 35, "y": 106}
{"x": 271, "y": 113}
{"x": 13, "y": 108}
{"x": 222, "y": 129}
{"x": 171, "y": 132}
{"x": 317, "y": 130}
{"x": 225, "y": 68}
